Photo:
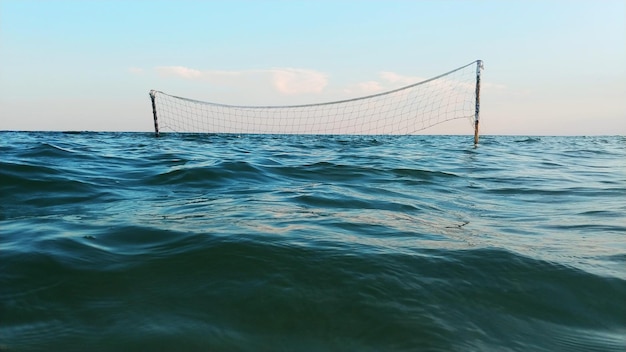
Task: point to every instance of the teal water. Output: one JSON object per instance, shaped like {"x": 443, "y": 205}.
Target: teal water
{"x": 124, "y": 241}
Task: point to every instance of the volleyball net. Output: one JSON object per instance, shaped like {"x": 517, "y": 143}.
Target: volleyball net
{"x": 403, "y": 111}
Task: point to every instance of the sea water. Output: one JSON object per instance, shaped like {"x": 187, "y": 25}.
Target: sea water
{"x": 188, "y": 242}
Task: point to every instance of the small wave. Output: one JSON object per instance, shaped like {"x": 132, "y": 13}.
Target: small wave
{"x": 48, "y": 150}
{"x": 66, "y": 150}
{"x": 136, "y": 240}
{"x": 324, "y": 171}
{"x": 219, "y": 174}
{"x": 529, "y": 140}
{"x": 423, "y": 174}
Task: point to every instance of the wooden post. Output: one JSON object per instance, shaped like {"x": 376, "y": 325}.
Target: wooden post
{"x": 154, "y": 113}
{"x": 479, "y": 67}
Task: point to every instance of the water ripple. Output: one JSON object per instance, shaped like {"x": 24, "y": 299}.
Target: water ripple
{"x": 123, "y": 241}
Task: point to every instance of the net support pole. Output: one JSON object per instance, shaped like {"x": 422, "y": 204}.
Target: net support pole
{"x": 154, "y": 113}
{"x": 479, "y": 68}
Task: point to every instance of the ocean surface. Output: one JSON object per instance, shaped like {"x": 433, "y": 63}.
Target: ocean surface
{"x": 128, "y": 242}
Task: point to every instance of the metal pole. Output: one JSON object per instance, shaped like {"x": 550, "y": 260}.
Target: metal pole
{"x": 479, "y": 67}
{"x": 154, "y": 113}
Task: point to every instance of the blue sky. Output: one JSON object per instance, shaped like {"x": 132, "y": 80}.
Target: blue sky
{"x": 551, "y": 67}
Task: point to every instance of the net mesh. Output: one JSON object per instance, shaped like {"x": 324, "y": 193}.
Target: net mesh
{"x": 402, "y": 111}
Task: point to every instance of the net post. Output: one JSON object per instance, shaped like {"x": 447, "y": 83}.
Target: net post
{"x": 479, "y": 68}
{"x": 154, "y": 113}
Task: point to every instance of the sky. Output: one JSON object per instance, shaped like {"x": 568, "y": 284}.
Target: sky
{"x": 552, "y": 67}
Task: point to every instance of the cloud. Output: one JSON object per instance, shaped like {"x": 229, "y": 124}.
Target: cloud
{"x": 298, "y": 81}
{"x": 387, "y": 81}
{"x": 391, "y": 80}
{"x": 397, "y": 79}
{"x": 288, "y": 81}
{"x": 179, "y": 71}
{"x": 193, "y": 74}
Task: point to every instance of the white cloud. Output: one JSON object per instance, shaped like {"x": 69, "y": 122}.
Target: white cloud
{"x": 190, "y": 73}
{"x": 180, "y": 71}
{"x": 288, "y": 81}
{"x": 298, "y": 81}
{"x": 364, "y": 88}
{"x": 388, "y": 81}
{"x": 397, "y": 79}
